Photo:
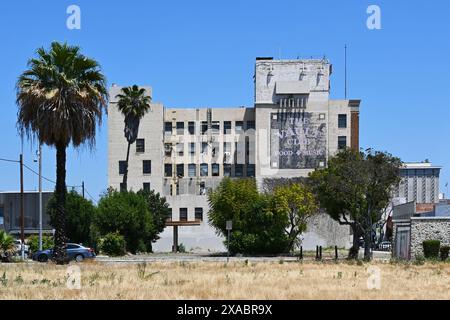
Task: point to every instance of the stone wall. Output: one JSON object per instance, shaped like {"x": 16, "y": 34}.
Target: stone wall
{"x": 430, "y": 228}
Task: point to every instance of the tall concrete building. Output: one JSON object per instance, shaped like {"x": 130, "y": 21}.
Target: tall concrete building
{"x": 292, "y": 129}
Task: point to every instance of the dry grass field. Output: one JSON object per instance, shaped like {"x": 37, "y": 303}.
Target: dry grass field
{"x": 237, "y": 280}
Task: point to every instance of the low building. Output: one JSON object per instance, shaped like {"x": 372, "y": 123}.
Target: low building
{"x": 414, "y": 223}
{"x": 10, "y": 213}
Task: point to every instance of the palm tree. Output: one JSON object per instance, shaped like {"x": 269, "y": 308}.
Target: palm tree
{"x": 134, "y": 104}
{"x": 7, "y": 247}
{"x": 61, "y": 98}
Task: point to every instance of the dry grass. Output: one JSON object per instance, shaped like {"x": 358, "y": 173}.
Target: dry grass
{"x": 238, "y": 280}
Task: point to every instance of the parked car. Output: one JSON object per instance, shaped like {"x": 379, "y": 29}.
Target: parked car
{"x": 74, "y": 251}
{"x": 18, "y": 245}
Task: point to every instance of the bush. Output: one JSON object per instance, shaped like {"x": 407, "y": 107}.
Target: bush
{"x": 33, "y": 242}
{"x": 258, "y": 227}
{"x": 80, "y": 214}
{"x": 113, "y": 244}
{"x": 444, "y": 252}
{"x": 431, "y": 249}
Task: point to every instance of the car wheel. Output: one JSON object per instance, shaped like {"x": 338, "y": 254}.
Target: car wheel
{"x": 43, "y": 258}
{"x": 79, "y": 258}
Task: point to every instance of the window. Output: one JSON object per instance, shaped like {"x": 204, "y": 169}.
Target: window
{"x": 146, "y": 186}
{"x": 205, "y": 147}
{"x": 239, "y": 170}
{"x": 215, "y": 149}
{"x": 204, "y": 127}
{"x": 226, "y": 151}
{"x": 168, "y": 149}
{"x": 146, "y": 166}
{"x": 140, "y": 145}
{"x": 215, "y": 127}
{"x": 122, "y": 187}
{"x": 202, "y": 190}
{"x": 250, "y": 125}
{"x": 72, "y": 246}
{"x": 342, "y": 121}
{"x": 192, "y": 148}
{"x": 183, "y": 214}
{"x": 203, "y": 169}
{"x": 180, "y": 170}
{"x": 168, "y": 128}
{"x": 180, "y": 149}
{"x": 122, "y": 167}
{"x": 239, "y": 127}
{"x": 227, "y": 127}
{"x": 180, "y": 128}
{"x": 192, "y": 170}
{"x": 191, "y": 127}
{"x": 250, "y": 170}
{"x": 169, "y": 217}
{"x": 342, "y": 142}
{"x": 2, "y": 216}
{"x": 168, "y": 170}
{"x": 215, "y": 169}
{"x": 199, "y": 214}
{"x": 227, "y": 170}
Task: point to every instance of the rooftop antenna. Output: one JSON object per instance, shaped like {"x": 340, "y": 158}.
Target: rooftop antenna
{"x": 345, "y": 71}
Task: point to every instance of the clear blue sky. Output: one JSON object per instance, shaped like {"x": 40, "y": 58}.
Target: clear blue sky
{"x": 201, "y": 53}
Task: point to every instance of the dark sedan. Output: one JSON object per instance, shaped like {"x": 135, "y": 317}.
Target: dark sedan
{"x": 74, "y": 252}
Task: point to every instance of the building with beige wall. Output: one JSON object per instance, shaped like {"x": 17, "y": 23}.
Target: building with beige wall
{"x": 292, "y": 129}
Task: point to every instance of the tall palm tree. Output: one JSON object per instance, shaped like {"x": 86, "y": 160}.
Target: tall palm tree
{"x": 134, "y": 104}
{"x": 61, "y": 98}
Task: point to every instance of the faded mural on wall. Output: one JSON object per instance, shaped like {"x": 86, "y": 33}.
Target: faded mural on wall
{"x": 298, "y": 140}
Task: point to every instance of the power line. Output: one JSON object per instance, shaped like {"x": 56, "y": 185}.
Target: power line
{"x": 9, "y": 160}
{"x": 89, "y": 195}
{"x": 49, "y": 180}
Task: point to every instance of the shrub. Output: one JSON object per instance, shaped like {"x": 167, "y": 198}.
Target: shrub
{"x": 258, "y": 227}
{"x": 444, "y": 252}
{"x": 113, "y": 244}
{"x": 33, "y": 242}
{"x": 138, "y": 216}
{"x": 431, "y": 249}
{"x": 80, "y": 214}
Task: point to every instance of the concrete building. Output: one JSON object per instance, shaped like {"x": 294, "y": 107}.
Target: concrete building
{"x": 292, "y": 129}
{"x": 10, "y": 212}
{"x": 419, "y": 183}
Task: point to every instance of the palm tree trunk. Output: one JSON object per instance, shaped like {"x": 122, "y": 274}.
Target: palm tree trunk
{"x": 125, "y": 176}
{"x": 59, "y": 252}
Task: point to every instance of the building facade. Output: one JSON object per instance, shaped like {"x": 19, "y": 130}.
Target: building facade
{"x": 292, "y": 129}
{"x": 10, "y": 218}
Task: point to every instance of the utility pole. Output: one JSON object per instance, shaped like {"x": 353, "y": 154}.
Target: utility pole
{"x": 40, "y": 196}
{"x": 22, "y": 218}
{"x": 82, "y": 188}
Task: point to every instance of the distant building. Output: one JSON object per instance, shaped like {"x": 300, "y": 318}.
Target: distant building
{"x": 292, "y": 129}
{"x": 10, "y": 212}
{"x": 419, "y": 183}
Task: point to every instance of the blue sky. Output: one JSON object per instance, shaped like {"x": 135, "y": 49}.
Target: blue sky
{"x": 201, "y": 53}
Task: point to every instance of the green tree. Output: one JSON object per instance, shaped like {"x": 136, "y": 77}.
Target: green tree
{"x": 298, "y": 203}
{"x": 355, "y": 189}
{"x": 257, "y": 227}
{"x": 80, "y": 214}
{"x": 129, "y": 214}
{"x": 61, "y": 98}
{"x": 159, "y": 212}
{"x": 133, "y": 103}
